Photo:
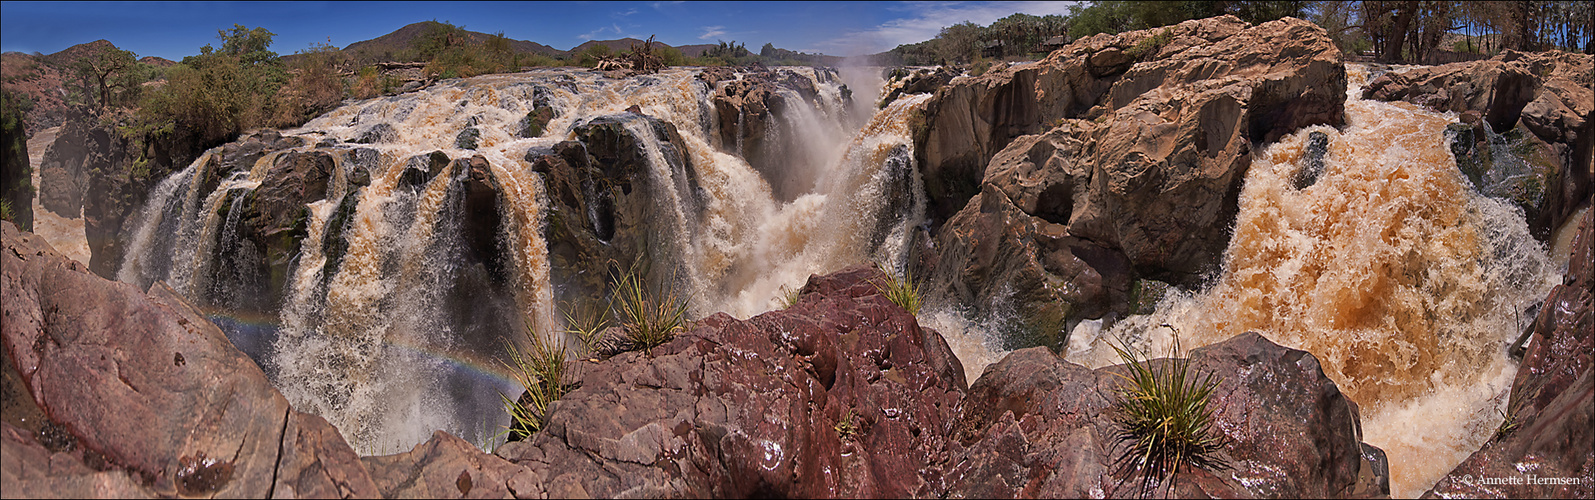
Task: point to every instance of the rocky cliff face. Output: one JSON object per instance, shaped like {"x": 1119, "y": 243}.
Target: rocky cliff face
{"x": 1114, "y": 159}
{"x": 1526, "y": 130}
{"x": 841, "y": 395}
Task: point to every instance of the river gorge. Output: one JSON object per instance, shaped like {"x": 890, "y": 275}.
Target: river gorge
{"x": 1353, "y": 249}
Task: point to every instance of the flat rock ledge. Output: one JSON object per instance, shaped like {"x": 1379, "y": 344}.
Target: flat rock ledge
{"x": 114, "y": 392}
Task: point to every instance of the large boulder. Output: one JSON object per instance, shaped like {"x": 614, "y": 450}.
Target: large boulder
{"x": 1549, "y": 432}
{"x": 841, "y": 395}
{"x": 753, "y": 123}
{"x": 1038, "y": 426}
{"x": 62, "y": 179}
{"x": 1115, "y": 159}
{"x": 154, "y": 390}
{"x": 1529, "y": 115}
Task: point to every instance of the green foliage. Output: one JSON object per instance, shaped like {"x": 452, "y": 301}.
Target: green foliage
{"x": 5, "y": 209}
{"x": 1150, "y": 45}
{"x": 790, "y": 296}
{"x": 105, "y": 78}
{"x": 903, "y": 291}
{"x": 219, "y": 94}
{"x": 1019, "y": 34}
{"x": 587, "y": 323}
{"x": 543, "y": 373}
{"x": 1163, "y": 421}
{"x": 847, "y": 427}
{"x": 314, "y": 86}
{"x": 649, "y": 318}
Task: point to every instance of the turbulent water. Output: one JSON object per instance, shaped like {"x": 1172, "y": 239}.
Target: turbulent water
{"x": 1405, "y": 283}
{"x": 373, "y": 342}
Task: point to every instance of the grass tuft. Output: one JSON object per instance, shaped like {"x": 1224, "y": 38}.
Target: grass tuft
{"x": 587, "y": 324}
{"x": 790, "y": 296}
{"x": 542, "y": 372}
{"x": 1163, "y": 421}
{"x": 847, "y": 428}
{"x": 648, "y": 319}
{"x": 903, "y": 291}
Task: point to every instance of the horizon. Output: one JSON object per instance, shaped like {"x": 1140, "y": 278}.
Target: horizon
{"x": 173, "y": 30}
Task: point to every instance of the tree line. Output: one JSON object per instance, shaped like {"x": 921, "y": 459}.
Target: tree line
{"x": 1387, "y": 30}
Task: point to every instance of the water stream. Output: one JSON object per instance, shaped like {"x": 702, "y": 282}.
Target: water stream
{"x": 384, "y": 337}
{"x": 1403, "y": 281}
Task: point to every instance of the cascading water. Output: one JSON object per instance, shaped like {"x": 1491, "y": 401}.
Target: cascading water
{"x": 380, "y": 328}
{"x": 1403, "y": 281}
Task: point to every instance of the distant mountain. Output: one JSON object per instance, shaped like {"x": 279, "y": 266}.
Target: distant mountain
{"x": 388, "y": 47}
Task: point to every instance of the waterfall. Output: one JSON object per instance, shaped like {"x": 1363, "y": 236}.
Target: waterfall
{"x": 1403, "y": 281}
{"x": 391, "y": 325}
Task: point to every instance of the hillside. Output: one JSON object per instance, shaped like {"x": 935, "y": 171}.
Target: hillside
{"x": 390, "y": 46}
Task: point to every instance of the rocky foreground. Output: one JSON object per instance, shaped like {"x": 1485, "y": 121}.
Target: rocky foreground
{"x": 113, "y": 392}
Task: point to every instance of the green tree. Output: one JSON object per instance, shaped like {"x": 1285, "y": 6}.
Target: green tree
{"x": 249, "y": 45}
{"x": 218, "y": 94}
{"x": 104, "y": 72}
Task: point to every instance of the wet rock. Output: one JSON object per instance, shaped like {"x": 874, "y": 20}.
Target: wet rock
{"x": 419, "y": 170}
{"x": 98, "y": 358}
{"x": 1551, "y": 409}
{"x": 377, "y": 133}
{"x": 753, "y": 408}
{"x": 537, "y": 119}
{"x": 1312, "y": 160}
{"x": 1107, "y": 176}
{"x": 1531, "y": 121}
{"x": 1036, "y": 425}
{"x": 602, "y": 207}
{"x": 467, "y": 138}
{"x": 275, "y": 221}
{"x": 920, "y": 81}
{"x": 752, "y": 122}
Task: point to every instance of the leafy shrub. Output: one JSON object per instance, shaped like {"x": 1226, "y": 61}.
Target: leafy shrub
{"x": 1163, "y": 421}
{"x": 314, "y": 87}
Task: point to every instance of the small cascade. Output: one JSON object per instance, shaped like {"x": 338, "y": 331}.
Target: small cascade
{"x": 1405, "y": 282}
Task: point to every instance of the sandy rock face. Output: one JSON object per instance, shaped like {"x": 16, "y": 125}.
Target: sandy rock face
{"x": 1115, "y": 159}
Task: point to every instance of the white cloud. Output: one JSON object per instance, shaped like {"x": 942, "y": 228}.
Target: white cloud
{"x": 662, "y": 5}
{"x": 626, "y": 13}
{"x": 712, "y": 32}
{"x": 924, "y": 20}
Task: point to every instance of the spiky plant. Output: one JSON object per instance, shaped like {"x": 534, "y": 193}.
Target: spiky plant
{"x": 648, "y": 320}
{"x": 790, "y": 296}
{"x": 1163, "y": 421}
{"x": 542, "y": 373}
{"x": 587, "y": 323}
{"x": 903, "y": 291}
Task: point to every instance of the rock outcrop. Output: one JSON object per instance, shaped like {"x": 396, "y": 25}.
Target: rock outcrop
{"x": 1526, "y": 132}
{"x": 601, "y": 213}
{"x": 1115, "y": 159}
{"x": 153, "y": 391}
{"x": 95, "y": 165}
{"x": 754, "y": 124}
{"x": 1550, "y": 428}
{"x": 1038, "y": 426}
{"x": 841, "y": 395}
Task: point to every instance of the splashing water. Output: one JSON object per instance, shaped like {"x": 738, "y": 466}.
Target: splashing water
{"x": 376, "y": 337}
{"x": 1405, "y": 283}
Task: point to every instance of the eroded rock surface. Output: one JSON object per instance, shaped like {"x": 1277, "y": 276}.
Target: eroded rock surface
{"x": 156, "y": 390}
{"x": 1116, "y": 158}
{"x": 1528, "y": 122}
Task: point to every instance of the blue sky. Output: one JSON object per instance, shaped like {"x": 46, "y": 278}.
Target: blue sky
{"x": 176, "y": 29}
